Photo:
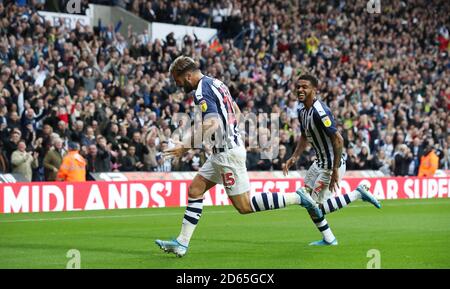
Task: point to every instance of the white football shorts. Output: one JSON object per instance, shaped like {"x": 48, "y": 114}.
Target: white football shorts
{"x": 318, "y": 180}
{"x": 229, "y": 169}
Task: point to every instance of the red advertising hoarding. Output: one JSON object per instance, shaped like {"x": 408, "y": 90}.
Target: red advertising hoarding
{"x": 59, "y": 196}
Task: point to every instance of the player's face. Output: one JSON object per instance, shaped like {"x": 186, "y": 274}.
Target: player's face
{"x": 304, "y": 90}
{"x": 183, "y": 81}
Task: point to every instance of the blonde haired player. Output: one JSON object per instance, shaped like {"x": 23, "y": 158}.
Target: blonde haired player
{"x": 227, "y": 164}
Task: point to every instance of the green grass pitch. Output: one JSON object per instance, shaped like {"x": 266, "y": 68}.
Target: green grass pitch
{"x": 407, "y": 233}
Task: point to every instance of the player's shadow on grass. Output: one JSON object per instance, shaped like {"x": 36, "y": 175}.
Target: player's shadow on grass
{"x": 81, "y": 248}
{"x": 246, "y": 241}
{"x": 133, "y": 237}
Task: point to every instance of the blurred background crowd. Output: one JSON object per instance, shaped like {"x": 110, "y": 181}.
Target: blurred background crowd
{"x": 386, "y": 78}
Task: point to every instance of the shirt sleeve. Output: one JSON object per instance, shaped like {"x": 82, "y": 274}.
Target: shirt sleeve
{"x": 326, "y": 122}
{"x": 207, "y": 102}
{"x": 300, "y": 121}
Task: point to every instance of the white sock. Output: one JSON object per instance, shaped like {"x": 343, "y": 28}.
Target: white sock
{"x": 322, "y": 226}
{"x": 336, "y": 203}
{"x": 187, "y": 230}
{"x": 191, "y": 216}
{"x": 354, "y": 195}
{"x": 292, "y": 199}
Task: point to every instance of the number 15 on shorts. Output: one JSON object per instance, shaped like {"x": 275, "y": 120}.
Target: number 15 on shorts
{"x": 228, "y": 179}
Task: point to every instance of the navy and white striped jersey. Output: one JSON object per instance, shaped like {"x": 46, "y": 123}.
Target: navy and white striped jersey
{"x": 318, "y": 125}
{"x": 215, "y": 100}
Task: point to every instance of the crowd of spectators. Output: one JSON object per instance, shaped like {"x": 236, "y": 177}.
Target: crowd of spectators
{"x": 386, "y": 78}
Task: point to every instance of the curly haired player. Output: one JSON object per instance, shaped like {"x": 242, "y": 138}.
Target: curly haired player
{"x": 318, "y": 129}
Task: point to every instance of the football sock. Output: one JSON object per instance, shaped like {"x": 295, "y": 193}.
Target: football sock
{"x": 329, "y": 206}
{"x": 273, "y": 201}
{"x": 191, "y": 216}
{"x": 339, "y": 202}
{"x": 322, "y": 225}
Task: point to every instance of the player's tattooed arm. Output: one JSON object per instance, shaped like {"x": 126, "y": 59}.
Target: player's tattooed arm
{"x": 237, "y": 111}
{"x": 238, "y": 115}
{"x": 209, "y": 128}
{"x": 338, "y": 143}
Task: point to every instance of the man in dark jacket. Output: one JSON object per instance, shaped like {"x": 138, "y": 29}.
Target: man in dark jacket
{"x": 10, "y": 145}
{"x": 98, "y": 159}
{"x": 53, "y": 159}
{"x": 141, "y": 149}
{"x": 131, "y": 162}
{"x": 417, "y": 149}
{"x": 402, "y": 160}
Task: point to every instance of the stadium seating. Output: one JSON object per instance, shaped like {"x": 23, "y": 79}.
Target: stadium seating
{"x": 390, "y": 90}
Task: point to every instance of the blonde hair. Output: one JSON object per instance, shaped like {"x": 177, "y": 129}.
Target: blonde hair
{"x": 182, "y": 64}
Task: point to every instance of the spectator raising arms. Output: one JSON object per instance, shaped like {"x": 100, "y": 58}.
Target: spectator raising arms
{"x": 386, "y": 79}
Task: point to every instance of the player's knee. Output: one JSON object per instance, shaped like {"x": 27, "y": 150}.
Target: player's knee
{"x": 194, "y": 193}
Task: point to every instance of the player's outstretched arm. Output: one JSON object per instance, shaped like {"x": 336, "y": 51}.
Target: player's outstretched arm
{"x": 301, "y": 146}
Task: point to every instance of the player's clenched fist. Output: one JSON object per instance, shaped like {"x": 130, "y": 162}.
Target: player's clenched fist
{"x": 176, "y": 152}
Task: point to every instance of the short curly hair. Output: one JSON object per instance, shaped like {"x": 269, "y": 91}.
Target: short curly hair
{"x": 312, "y": 79}
{"x": 182, "y": 64}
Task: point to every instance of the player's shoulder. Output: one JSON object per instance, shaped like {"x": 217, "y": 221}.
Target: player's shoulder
{"x": 208, "y": 82}
{"x": 216, "y": 83}
{"x": 322, "y": 113}
{"x": 300, "y": 107}
{"x": 321, "y": 108}
{"x": 203, "y": 87}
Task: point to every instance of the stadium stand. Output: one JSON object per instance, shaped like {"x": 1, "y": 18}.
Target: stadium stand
{"x": 390, "y": 89}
